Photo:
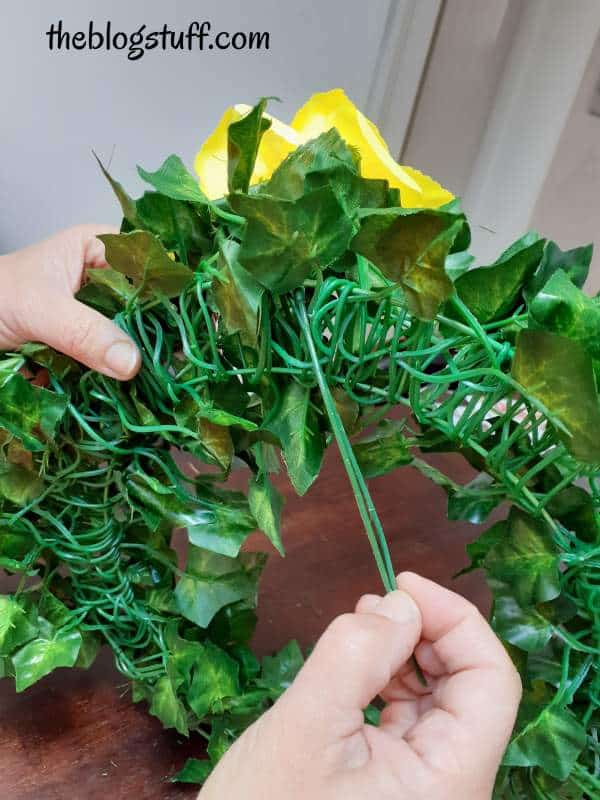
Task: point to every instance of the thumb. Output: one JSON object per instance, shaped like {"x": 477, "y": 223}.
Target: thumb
{"x": 354, "y": 660}
{"x": 84, "y": 334}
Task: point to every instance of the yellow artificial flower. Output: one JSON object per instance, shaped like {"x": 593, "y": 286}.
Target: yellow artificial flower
{"x": 211, "y": 160}
{"x": 322, "y": 112}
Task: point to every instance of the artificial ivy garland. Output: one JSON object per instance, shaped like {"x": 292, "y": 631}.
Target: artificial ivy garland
{"x": 306, "y": 287}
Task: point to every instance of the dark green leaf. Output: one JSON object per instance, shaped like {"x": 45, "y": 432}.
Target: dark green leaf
{"x": 214, "y": 581}
{"x": 237, "y": 295}
{"x": 559, "y": 373}
{"x": 478, "y": 550}
{"x": 410, "y": 247}
{"x": 575, "y": 263}
{"x": 574, "y": 508}
{"x": 526, "y": 628}
{"x": 493, "y": 292}
{"x": 302, "y": 444}
{"x": 193, "y": 771}
{"x": 286, "y": 241}
{"x": 384, "y": 450}
{"x": 142, "y": 258}
{"x": 128, "y": 206}
{"x": 476, "y": 500}
{"x": 243, "y": 141}
{"x": 548, "y": 736}
{"x": 527, "y": 559}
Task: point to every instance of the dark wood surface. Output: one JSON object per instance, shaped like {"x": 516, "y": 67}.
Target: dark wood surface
{"x": 77, "y": 735}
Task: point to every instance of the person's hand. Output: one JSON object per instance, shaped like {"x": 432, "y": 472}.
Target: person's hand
{"x": 37, "y": 285}
{"x": 443, "y": 741}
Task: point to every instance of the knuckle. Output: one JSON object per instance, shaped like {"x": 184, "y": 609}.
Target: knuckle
{"x": 354, "y": 631}
{"x": 79, "y": 336}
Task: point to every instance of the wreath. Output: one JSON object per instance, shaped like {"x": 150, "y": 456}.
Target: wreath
{"x": 306, "y": 286}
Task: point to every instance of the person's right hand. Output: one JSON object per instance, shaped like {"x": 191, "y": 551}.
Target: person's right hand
{"x": 442, "y": 741}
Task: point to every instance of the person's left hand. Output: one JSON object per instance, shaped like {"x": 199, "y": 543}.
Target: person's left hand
{"x": 37, "y": 287}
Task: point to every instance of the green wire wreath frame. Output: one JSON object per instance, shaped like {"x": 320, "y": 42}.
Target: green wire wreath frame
{"x": 241, "y": 357}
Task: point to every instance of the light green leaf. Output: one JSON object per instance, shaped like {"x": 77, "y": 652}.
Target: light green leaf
{"x": 167, "y": 707}
{"x": 302, "y": 444}
{"x": 42, "y": 655}
{"x": 527, "y": 559}
{"x": 560, "y": 307}
{"x": 280, "y": 670}
{"x": 173, "y": 180}
{"x": 216, "y": 678}
{"x": 559, "y": 373}
{"x": 213, "y": 581}
{"x": 29, "y": 412}
{"x": 526, "y": 628}
{"x": 265, "y": 505}
{"x": 16, "y": 625}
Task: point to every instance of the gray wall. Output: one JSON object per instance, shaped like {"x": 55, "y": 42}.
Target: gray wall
{"x": 57, "y": 106}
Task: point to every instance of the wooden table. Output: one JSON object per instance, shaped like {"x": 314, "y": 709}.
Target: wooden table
{"x": 75, "y": 735}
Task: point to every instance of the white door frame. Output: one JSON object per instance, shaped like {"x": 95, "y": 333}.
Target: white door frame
{"x": 551, "y": 47}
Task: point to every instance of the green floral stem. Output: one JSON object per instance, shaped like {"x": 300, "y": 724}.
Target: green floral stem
{"x": 366, "y": 507}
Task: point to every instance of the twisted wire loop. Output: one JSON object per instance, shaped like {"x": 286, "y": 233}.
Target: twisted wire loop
{"x": 453, "y": 374}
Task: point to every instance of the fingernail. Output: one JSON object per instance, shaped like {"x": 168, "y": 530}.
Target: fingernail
{"x": 121, "y": 358}
{"x": 399, "y": 607}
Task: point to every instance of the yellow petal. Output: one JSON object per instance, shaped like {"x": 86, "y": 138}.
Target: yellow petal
{"x": 211, "y": 160}
{"x": 334, "y": 109}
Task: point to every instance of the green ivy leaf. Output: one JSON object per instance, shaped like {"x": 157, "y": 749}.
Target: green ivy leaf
{"x": 302, "y": 443}
{"x": 384, "y": 450}
{"x": 280, "y": 670}
{"x": 237, "y": 295}
{"x": 16, "y": 625}
{"x": 560, "y": 307}
{"x": 29, "y": 412}
{"x": 214, "y": 581}
{"x": 476, "y": 500}
{"x": 327, "y": 161}
{"x": 410, "y": 247}
{"x": 559, "y": 373}
{"x": 216, "y": 678}
{"x": 190, "y": 410}
{"x": 265, "y": 505}
{"x": 286, "y": 241}
{"x": 478, "y": 549}
{"x": 526, "y": 628}
{"x": 222, "y": 736}
{"x": 527, "y": 559}
{"x": 548, "y": 736}
{"x": 217, "y": 523}
{"x": 128, "y": 206}
{"x": 42, "y": 655}
{"x": 181, "y": 226}
{"x": 492, "y": 292}
{"x": 141, "y": 257}
{"x": 243, "y": 141}
{"x": 574, "y": 508}
{"x": 173, "y": 180}
{"x": 575, "y": 263}
{"x": 193, "y": 771}
{"x": 165, "y": 705}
